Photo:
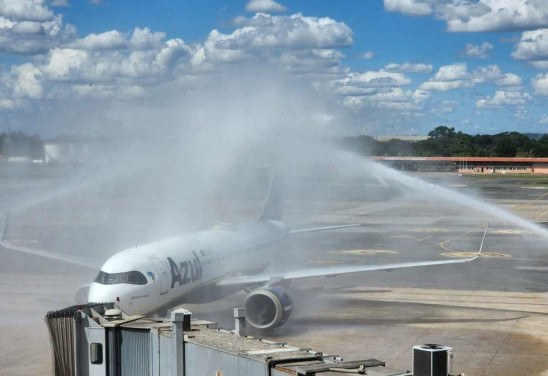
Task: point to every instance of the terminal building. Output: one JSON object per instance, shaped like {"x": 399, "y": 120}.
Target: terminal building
{"x": 62, "y": 151}
{"x": 468, "y": 165}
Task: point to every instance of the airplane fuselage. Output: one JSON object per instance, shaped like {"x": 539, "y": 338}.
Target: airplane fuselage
{"x": 158, "y": 275}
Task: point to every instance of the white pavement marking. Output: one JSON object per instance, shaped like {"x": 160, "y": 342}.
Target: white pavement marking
{"x": 532, "y": 268}
{"x": 472, "y": 254}
{"x": 365, "y": 252}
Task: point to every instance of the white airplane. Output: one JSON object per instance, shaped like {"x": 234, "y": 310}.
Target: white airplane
{"x": 208, "y": 265}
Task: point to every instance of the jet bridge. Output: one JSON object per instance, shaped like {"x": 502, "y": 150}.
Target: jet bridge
{"x": 101, "y": 340}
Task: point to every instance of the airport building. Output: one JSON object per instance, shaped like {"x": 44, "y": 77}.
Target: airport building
{"x": 64, "y": 152}
{"x": 468, "y": 165}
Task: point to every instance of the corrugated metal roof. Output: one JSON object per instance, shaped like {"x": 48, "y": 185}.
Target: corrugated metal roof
{"x": 462, "y": 159}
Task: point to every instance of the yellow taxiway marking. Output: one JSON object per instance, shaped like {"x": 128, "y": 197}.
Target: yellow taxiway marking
{"x": 425, "y": 238}
{"x": 541, "y": 215}
{"x": 472, "y": 254}
{"x": 443, "y": 244}
{"x": 365, "y": 252}
{"x": 430, "y": 229}
{"x": 497, "y": 300}
{"x": 509, "y": 232}
{"x": 521, "y": 206}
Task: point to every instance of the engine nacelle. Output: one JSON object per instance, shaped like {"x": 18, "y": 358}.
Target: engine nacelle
{"x": 268, "y": 308}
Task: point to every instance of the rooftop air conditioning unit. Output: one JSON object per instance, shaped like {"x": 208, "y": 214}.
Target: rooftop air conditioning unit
{"x": 432, "y": 360}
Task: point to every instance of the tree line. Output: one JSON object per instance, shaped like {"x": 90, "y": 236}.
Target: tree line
{"x": 19, "y": 144}
{"x": 441, "y": 142}
{"x": 446, "y": 142}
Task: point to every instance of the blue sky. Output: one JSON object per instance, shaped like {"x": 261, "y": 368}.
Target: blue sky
{"x": 392, "y": 66}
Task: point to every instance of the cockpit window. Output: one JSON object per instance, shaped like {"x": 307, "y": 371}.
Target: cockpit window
{"x": 133, "y": 278}
{"x": 136, "y": 278}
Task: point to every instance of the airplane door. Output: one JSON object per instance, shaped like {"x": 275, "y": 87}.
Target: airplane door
{"x": 95, "y": 351}
{"x": 162, "y": 268}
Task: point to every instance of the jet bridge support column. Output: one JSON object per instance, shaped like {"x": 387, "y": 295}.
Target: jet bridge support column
{"x": 239, "y": 321}
{"x": 180, "y": 319}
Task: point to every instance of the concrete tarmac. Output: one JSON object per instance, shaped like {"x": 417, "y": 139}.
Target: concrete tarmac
{"x": 493, "y": 312}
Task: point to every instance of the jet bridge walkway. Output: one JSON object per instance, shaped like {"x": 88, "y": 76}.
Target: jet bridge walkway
{"x": 101, "y": 340}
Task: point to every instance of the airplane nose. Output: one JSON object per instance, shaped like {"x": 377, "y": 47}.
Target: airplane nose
{"x": 100, "y": 294}
{"x": 121, "y": 295}
{"x": 106, "y": 294}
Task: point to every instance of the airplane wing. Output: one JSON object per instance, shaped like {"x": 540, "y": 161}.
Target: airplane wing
{"x": 325, "y": 228}
{"x": 71, "y": 259}
{"x": 334, "y": 271}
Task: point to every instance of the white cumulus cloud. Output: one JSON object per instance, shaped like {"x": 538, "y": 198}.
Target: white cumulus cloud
{"x": 409, "y": 67}
{"x": 480, "y": 51}
{"x": 494, "y": 74}
{"x": 109, "y": 40}
{"x": 367, "y": 55}
{"x": 456, "y": 76}
{"x": 294, "y": 42}
{"x": 411, "y": 7}
{"x": 140, "y": 39}
{"x": 295, "y": 31}
{"x": 102, "y": 65}
{"x": 27, "y": 83}
{"x": 26, "y": 10}
{"x": 380, "y": 90}
{"x": 503, "y": 98}
{"x": 266, "y": 6}
{"x": 144, "y": 39}
{"x": 540, "y": 84}
{"x": 452, "y": 72}
{"x": 478, "y": 16}
{"x": 63, "y": 64}
{"x": 60, "y": 3}
{"x": 533, "y": 46}
{"x": 394, "y": 98}
{"x": 30, "y": 27}
{"x": 509, "y": 79}
{"x": 370, "y": 79}
{"x": 448, "y": 77}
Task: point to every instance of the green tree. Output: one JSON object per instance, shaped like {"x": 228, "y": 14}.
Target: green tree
{"x": 445, "y": 142}
{"x": 505, "y": 148}
{"x": 442, "y": 131}
{"x": 19, "y": 144}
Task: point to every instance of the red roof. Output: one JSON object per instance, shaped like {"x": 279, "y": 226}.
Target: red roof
{"x": 462, "y": 159}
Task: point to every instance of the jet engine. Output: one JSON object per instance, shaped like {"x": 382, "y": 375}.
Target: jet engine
{"x": 268, "y": 307}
